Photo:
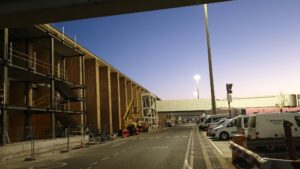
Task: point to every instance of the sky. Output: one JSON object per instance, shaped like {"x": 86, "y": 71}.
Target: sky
{"x": 255, "y": 45}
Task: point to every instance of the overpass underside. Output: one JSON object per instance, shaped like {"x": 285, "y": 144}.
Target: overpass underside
{"x": 27, "y": 12}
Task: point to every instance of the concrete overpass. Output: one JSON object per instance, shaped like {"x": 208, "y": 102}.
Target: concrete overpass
{"x": 28, "y": 12}
{"x": 190, "y": 107}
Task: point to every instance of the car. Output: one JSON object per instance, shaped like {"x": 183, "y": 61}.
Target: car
{"x": 228, "y": 128}
{"x": 214, "y": 125}
{"x": 169, "y": 124}
{"x": 210, "y": 119}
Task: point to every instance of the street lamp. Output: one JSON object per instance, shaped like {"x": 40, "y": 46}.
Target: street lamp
{"x": 197, "y": 78}
{"x": 211, "y": 78}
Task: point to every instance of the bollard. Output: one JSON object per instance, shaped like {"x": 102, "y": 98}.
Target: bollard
{"x": 289, "y": 140}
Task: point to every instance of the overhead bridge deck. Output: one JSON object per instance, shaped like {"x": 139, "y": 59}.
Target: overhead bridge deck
{"x": 27, "y": 12}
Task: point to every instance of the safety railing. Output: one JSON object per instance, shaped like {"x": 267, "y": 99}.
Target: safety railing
{"x": 21, "y": 59}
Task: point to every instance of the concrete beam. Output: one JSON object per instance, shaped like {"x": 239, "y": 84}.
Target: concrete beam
{"x": 123, "y": 99}
{"x": 28, "y": 12}
{"x": 115, "y": 98}
{"x": 105, "y": 100}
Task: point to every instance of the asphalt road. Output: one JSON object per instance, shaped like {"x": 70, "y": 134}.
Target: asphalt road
{"x": 179, "y": 147}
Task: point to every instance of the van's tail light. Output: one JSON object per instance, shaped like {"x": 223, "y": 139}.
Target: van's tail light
{"x": 257, "y": 134}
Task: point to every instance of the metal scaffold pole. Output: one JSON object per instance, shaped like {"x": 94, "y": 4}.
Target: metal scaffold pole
{"x": 4, "y": 85}
{"x": 212, "y": 90}
{"x": 52, "y": 87}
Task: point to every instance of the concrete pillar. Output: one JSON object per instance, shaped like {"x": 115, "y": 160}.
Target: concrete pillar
{"x": 129, "y": 92}
{"x": 135, "y": 99}
{"x": 139, "y": 100}
{"x": 115, "y": 100}
{"x": 4, "y": 84}
{"x": 123, "y": 99}
{"x": 105, "y": 100}
{"x": 52, "y": 87}
{"x": 92, "y": 94}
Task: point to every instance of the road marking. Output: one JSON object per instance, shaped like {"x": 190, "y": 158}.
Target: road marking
{"x": 116, "y": 145}
{"x": 220, "y": 152}
{"x": 115, "y": 154}
{"x": 49, "y": 166}
{"x": 105, "y": 158}
{"x": 160, "y": 147}
{"x": 95, "y": 163}
{"x": 186, "y": 164}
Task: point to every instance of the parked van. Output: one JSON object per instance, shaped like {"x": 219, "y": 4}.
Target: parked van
{"x": 271, "y": 125}
{"x": 228, "y": 128}
{"x": 211, "y": 119}
{"x": 242, "y": 125}
{"x": 266, "y": 130}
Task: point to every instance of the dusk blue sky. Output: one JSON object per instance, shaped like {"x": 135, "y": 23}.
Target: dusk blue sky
{"x": 255, "y": 45}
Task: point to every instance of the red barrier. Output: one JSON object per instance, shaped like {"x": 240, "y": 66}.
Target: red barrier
{"x": 125, "y": 133}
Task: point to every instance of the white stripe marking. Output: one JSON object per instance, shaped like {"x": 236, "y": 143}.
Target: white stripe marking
{"x": 216, "y": 148}
{"x": 105, "y": 158}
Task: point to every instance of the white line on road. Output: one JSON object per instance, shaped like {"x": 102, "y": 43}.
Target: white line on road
{"x": 185, "y": 164}
{"x": 94, "y": 163}
{"x": 116, "y": 145}
{"x": 105, "y": 158}
{"x": 216, "y": 148}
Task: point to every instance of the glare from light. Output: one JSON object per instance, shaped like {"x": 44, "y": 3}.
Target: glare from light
{"x": 195, "y": 94}
{"x": 197, "y": 77}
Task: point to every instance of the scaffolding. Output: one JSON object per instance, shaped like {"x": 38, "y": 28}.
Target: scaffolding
{"x": 33, "y": 61}
{"x": 149, "y": 111}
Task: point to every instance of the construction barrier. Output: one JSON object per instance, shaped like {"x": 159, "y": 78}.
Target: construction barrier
{"x": 262, "y": 163}
{"x": 125, "y": 133}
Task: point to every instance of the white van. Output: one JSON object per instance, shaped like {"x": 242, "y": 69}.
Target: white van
{"x": 211, "y": 119}
{"x": 229, "y": 128}
{"x": 266, "y": 130}
{"x": 262, "y": 126}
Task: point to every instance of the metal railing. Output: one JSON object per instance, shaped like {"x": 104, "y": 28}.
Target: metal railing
{"x": 20, "y": 59}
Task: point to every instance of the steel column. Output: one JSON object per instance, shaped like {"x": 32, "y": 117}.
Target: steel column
{"x": 4, "y": 80}
{"x": 52, "y": 87}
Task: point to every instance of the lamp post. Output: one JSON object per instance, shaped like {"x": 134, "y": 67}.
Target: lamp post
{"x": 211, "y": 78}
{"x": 197, "y": 78}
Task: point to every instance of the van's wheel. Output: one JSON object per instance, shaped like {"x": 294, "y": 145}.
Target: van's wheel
{"x": 224, "y": 136}
{"x": 270, "y": 148}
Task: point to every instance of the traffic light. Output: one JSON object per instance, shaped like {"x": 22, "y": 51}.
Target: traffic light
{"x": 229, "y": 88}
